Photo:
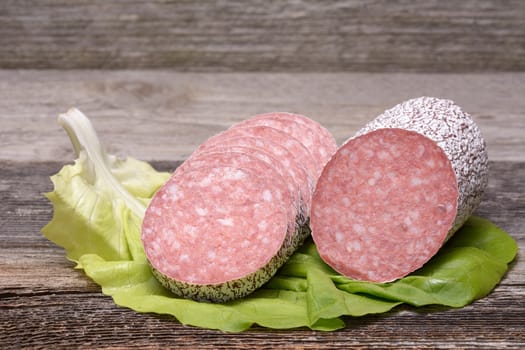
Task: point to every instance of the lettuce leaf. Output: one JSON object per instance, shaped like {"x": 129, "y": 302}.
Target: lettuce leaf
{"x": 98, "y": 205}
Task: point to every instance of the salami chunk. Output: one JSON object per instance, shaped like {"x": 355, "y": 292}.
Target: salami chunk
{"x": 393, "y": 194}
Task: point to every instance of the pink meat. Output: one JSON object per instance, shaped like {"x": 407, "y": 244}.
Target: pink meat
{"x": 296, "y": 148}
{"x": 274, "y": 154}
{"x": 311, "y": 134}
{"x": 224, "y": 223}
{"x": 246, "y": 161}
{"x": 384, "y": 205}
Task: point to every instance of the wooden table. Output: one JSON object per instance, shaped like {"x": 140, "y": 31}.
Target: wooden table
{"x": 161, "y": 116}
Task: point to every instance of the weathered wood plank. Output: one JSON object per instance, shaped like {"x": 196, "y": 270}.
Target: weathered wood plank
{"x": 334, "y": 35}
{"x": 91, "y": 320}
{"x": 137, "y": 111}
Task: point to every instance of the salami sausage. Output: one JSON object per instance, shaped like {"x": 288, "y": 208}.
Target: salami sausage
{"x": 393, "y": 194}
{"x": 225, "y": 235}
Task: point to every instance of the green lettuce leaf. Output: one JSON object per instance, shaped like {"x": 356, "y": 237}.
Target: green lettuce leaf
{"x": 98, "y": 205}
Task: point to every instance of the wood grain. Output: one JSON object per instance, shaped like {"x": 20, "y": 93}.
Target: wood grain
{"x": 299, "y": 36}
{"x": 136, "y": 112}
{"x": 45, "y": 303}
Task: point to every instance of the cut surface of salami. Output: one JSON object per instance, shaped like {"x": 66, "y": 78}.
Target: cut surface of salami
{"x": 394, "y": 193}
{"x": 219, "y": 230}
{"x": 274, "y": 154}
{"x": 385, "y": 203}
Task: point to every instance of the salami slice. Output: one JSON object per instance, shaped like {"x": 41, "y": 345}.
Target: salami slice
{"x": 277, "y": 156}
{"x": 296, "y": 148}
{"x": 311, "y": 134}
{"x": 216, "y": 233}
{"x": 247, "y": 161}
{"x": 393, "y": 194}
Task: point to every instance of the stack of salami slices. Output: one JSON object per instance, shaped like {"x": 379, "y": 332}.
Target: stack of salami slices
{"x": 237, "y": 208}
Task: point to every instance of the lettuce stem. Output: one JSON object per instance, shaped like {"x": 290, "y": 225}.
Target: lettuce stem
{"x": 84, "y": 138}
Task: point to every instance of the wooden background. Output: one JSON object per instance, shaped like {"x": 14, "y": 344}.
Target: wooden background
{"x": 273, "y": 35}
{"x": 158, "y": 77}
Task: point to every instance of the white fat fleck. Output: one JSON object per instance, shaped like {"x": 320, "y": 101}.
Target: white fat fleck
{"x": 156, "y": 210}
{"x": 414, "y": 214}
{"x": 201, "y": 211}
{"x": 184, "y": 257}
{"x": 205, "y": 182}
{"x": 191, "y": 278}
{"x": 395, "y": 152}
{"x": 353, "y": 246}
{"x": 245, "y": 243}
{"x": 265, "y": 240}
{"x": 345, "y": 152}
{"x": 415, "y": 181}
{"x": 155, "y": 245}
{"x": 267, "y": 196}
{"x": 407, "y": 220}
{"x": 175, "y": 244}
{"x": 392, "y": 176}
{"x": 346, "y": 202}
{"x": 371, "y": 181}
{"x": 430, "y": 162}
{"x": 358, "y": 228}
{"x": 372, "y": 275}
{"x": 413, "y": 230}
{"x": 235, "y": 175}
{"x": 420, "y": 150}
{"x": 382, "y": 155}
{"x": 449, "y": 207}
{"x": 372, "y": 229}
{"x": 262, "y": 225}
{"x": 212, "y": 255}
{"x": 173, "y": 189}
{"x": 191, "y": 230}
{"x": 226, "y": 222}
{"x": 339, "y": 236}
{"x": 442, "y": 207}
{"x": 377, "y": 174}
